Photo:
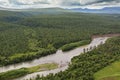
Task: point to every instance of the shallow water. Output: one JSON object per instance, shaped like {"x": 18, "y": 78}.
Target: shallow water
{"x": 61, "y": 58}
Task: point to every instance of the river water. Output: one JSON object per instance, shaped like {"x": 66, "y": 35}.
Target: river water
{"x": 61, "y": 58}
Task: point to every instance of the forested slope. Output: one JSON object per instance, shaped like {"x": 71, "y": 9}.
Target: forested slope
{"x": 26, "y": 36}
{"x": 84, "y": 66}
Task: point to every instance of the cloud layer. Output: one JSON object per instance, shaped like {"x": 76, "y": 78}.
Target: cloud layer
{"x": 91, "y": 4}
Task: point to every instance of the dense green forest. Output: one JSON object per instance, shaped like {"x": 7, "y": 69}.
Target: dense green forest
{"x": 84, "y": 66}
{"x": 25, "y": 36}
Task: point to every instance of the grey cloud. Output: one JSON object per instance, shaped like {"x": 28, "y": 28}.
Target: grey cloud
{"x": 57, "y": 3}
{"x": 16, "y": 2}
{"x": 70, "y": 3}
{"x": 102, "y": 1}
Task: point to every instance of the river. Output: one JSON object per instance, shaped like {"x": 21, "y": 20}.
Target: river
{"x": 61, "y": 58}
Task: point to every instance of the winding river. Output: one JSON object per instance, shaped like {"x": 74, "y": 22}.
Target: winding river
{"x": 61, "y": 58}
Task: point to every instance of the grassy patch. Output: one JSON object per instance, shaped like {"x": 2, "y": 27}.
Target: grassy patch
{"x": 111, "y": 78}
{"x": 24, "y": 71}
{"x": 70, "y": 46}
{"x": 111, "y": 72}
{"x": 43, "y": 67}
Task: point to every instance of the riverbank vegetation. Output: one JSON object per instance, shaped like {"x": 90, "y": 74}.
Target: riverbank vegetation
{"x": 9, "y": 75}
{"x": 85, "y": 66}
{"x": 25, "y": 37}
{"x": 21, "y": 57}
{"x": 71, "y": 46}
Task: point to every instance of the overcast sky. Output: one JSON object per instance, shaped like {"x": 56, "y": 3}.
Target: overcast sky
{"x": 91, "y": 4}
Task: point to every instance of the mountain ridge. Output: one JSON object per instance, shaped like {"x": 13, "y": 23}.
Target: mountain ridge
{"x": 110, "y": 10}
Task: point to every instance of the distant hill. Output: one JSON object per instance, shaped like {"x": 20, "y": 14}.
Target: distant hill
{"x": 34, "y": 11}
{"x": 110, "y": 10}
